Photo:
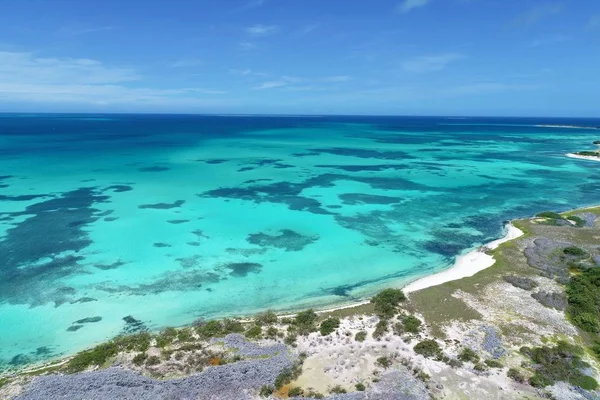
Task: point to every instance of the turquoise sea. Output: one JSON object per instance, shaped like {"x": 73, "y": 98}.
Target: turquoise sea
{"x": 116, "y": 223}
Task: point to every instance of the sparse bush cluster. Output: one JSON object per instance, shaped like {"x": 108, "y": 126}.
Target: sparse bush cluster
{"x": 468, "y": 355}
{"x": 387, "y": 301}
{"x": 329, "y": 326}
{"x": 583, "y": 296}
{"x": 428, "y": 348}
{"x": 560, "y": 363}
{"x": 360, "y": 336}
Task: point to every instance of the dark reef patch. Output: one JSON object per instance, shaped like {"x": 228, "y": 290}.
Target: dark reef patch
{"x": 361, "y": 198}
{"x": 366, "y": 153}
{"x": 84, "y": 300}
{"x": 107, "y": 267}
{"x": 240, "y": 270}
{"x": 178, "y": 221}
{"x": 120, "y": 188}
{"x": 289, "y": 193}
{"x": 214, "y": 161}
{"x": 23, "y": 197}
{"x": 37, "y": 253}
{"x": 111, "y": 219}
{"x": 244, "y": 169}
{"x": 189, "y": 262}
{"x": 199, "y": 233}
{"x": 449, "y": 243}
{"x": 246, "y": 252}
{"x": 133, "y": 325}
{"x": 155, "y": 168}
{"x": 74, "y": 328}
{"x": 195, "y": 244}
{"x": 163, "y": 206}
{"x": 172, "y": 281}
{"x": 287, "y": 239}
{"x": 161, "y": 245}
{"x": 88, "y": 320}
{"x": 361, "y": 168}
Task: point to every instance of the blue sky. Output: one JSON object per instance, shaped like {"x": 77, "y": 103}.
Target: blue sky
{"x": 411, "y": 57}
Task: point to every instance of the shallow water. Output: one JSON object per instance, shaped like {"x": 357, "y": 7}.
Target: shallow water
{"x": 116, "y": 223}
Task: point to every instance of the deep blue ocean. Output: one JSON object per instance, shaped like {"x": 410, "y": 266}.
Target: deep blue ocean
{"x": 113, "y": 224}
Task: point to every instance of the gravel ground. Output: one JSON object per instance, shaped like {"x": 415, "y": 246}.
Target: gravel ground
{"x": 397, "y": 385}
{"x": 248, "y": 349}
{"x": 232, "y": 381}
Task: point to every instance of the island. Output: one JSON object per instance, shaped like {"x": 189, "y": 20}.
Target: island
{"x": 525, "y": 325}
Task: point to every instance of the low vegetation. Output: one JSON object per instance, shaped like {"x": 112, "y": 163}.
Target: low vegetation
{"x": 428, "y": 348}
{"x": 360, "y": 336}
{"x": 468, "y": 355}
{"x": 583, "y": 296}
{"x": 329, "y": 326}
{"x": 287, "y": 376}
{"x": 381, "y": 329}
{"x": 560, "y": 363}
{"x": 305, "y": 322}
{"x": 387, "y": 301}
{"x": 411, "y": 324}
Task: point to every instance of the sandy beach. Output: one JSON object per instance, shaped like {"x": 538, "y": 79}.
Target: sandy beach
{"x": 571, "y": 155}
{"x": 466, "y": 265}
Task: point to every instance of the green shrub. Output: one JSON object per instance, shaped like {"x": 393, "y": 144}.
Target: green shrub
{"x": 561, "y": 363}
{"x": 232, "y": 326}
{"x": 549, "y": 215}
{"x": 468, "y": 355}
{"x": 479, "y": 367}
{"x": 381, "y": 329}
{"x": 575, "y": 252}
{"x": 254, "y": 332}
{"x": 360, "y": 336}
{"x": 411, "y": 324}
{"x": 337, "y": 389}
{"x": 265, "y": 318}
{"x": 493, "y": 364}
{"x": 210, "y": 329}
{"x": 314, "y": 395}
{"x": 295, "y": 392}
{"x": 384, "y": 362}
{"x": 329, "y": 326}
{"x": 305, "y": 322}
{"x": 428, "y": 348}
{"x": 578, "y": 221}
{"x": 360, "y": 387}
{"x": 140, "y": 358}
{"x": 185, "y": 335}
{"x": 454, "y": 363}
{"x": 290, "y": 339}
{"x": 271, "y": 332}
{"x": 583, "y": 297}
{"x": 138, "y": 342}
{"x": 97, "y": 356}
{"x": 287, "y": 376}
{"x": 153, "y": 360}
{"x": 588, "y": 153}
{"x": 266, "y": 391}
{"x": 515, "y": 375}
{"x": 387, "y": 301}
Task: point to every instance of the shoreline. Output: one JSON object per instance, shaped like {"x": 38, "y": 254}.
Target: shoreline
{"x": 590, "y": 158}
{"x": 466, "y": 265}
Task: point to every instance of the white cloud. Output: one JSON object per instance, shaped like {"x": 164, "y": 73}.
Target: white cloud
{"x": 187, "y": 62}
{"x": 27, "y": 78}
{"x": 248, "y": 46}
{"x": 594, "y": 22}
{"x": 293, "y": 83}
{"x": 430, "y": 63}
{"x": 539, "y": 12}
{"x": 75, "y": 31}
{"x": 261, "y": 30}
{"x": 306, "y": 30}
{"x": 409, "y": 5}
{"x": 550, "y": 40}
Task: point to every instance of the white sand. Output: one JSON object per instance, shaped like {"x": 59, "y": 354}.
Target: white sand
{"x": 466, "y": 265}
{"x": 571, "y": 155}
